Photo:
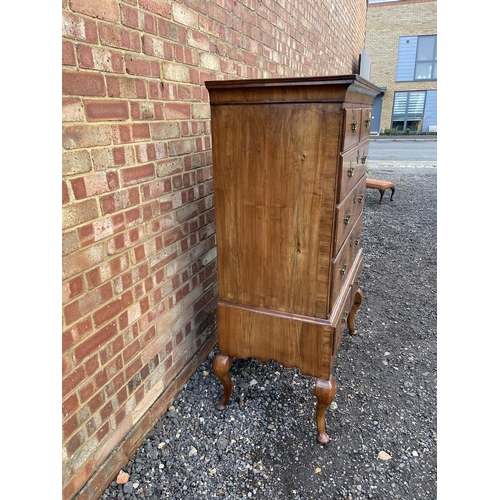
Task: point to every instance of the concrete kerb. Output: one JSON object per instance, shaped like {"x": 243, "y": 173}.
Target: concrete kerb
{"x": 391, "y": 164}
{"x": 415, "y": 138}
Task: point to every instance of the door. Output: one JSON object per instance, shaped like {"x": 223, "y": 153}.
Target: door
{"x": 376, "y": 114}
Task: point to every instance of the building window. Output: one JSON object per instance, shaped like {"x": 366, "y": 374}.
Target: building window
{"x": 426, "y": 61}
{"x": 417, "y": 58}
{"x": 408, "y": 112}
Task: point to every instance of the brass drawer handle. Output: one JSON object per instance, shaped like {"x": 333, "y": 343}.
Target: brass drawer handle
{"x": 350, "y": 171}
{"x": 346, "y": 315}
{"x": 357, "y": 240}
{"x": 368, "y": 121}
{"x": 354, "y": 125}
{"x": 343, "y": 269}
{"x": 347, "y": 218}
{"x": 363, "y": 159}
{"x": 360, "y": 198}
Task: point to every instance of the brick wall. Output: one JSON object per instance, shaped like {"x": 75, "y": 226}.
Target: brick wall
{"x": 386, "y": 22}
{"x": 139, "y": 258}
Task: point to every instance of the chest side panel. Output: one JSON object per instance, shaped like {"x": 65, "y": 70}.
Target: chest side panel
{"x": 275, "y": 183}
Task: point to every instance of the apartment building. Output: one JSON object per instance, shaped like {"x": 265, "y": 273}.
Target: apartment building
{"x": 401, "y": 42}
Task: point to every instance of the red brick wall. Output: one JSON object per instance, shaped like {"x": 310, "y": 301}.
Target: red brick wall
{"x": 139, "y": 257}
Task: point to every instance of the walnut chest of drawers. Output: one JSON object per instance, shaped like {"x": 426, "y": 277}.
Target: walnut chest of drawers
{"x": 289, "y": 159}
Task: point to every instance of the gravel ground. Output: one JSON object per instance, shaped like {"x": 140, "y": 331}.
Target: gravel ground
{"x": 383, "y": 420}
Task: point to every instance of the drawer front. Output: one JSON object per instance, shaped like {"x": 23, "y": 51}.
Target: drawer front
{"x": 352, "y": 168}
{"x": 363, "y": 152}
{"x": 352, "y": 127}
{"x": 343, "y": 262}
{"x": 356, "y": 275}
{"x": 340, "y": 323}
{"x": 347, "y": 213}
{"x": 366, "y": 123}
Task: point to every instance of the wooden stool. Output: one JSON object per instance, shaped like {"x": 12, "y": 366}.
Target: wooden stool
{"x": 381, "y": 186}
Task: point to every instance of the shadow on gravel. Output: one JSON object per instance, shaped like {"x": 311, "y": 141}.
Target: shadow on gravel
{"x": 263, "y": 445}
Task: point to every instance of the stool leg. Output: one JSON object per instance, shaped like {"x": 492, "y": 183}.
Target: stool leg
{"x": 381, "y": 191}
{"x": 392, "y": 194}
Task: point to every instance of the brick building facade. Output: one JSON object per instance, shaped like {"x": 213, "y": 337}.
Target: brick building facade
{"x": 139, "y": 253}
{"x": 390, "y": 25}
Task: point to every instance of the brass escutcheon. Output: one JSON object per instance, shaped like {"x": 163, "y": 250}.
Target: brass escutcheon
{"x": 360, "y": 198}
{"x": 346, "y": 315}
{"x": 346, "y": 219}
{"x": 343, "y": 269}
{"x": 350, "y": 171}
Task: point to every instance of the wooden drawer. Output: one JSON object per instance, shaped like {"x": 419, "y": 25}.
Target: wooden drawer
{"x": 366, "y": 123}
{"x": 347, "y": 213}
{"x": 346, "y": 303}
{"x": 356, "y": 275}
{"x": 363, "y": 149}
{"x": 352, "y": 127}
{"x": 352, "y": 168}
{"x": 344, "y": 260}
{"x": 340, "y": 323}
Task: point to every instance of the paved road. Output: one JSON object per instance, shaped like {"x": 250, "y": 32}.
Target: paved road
{"x": 409, "y": 152}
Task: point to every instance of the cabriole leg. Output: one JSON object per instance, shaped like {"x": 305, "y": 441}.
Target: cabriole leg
{"x": 221, "y": 365}
{"x": 324, "y": 391}
{"x": 358, "y": 298}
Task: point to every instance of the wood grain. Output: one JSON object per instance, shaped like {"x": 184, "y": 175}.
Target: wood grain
{"x": 274, "y": 181}
{"x": 292, "y": 341}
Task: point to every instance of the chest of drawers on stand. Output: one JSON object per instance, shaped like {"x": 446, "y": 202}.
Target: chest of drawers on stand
{"x": 289, "y": 159}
